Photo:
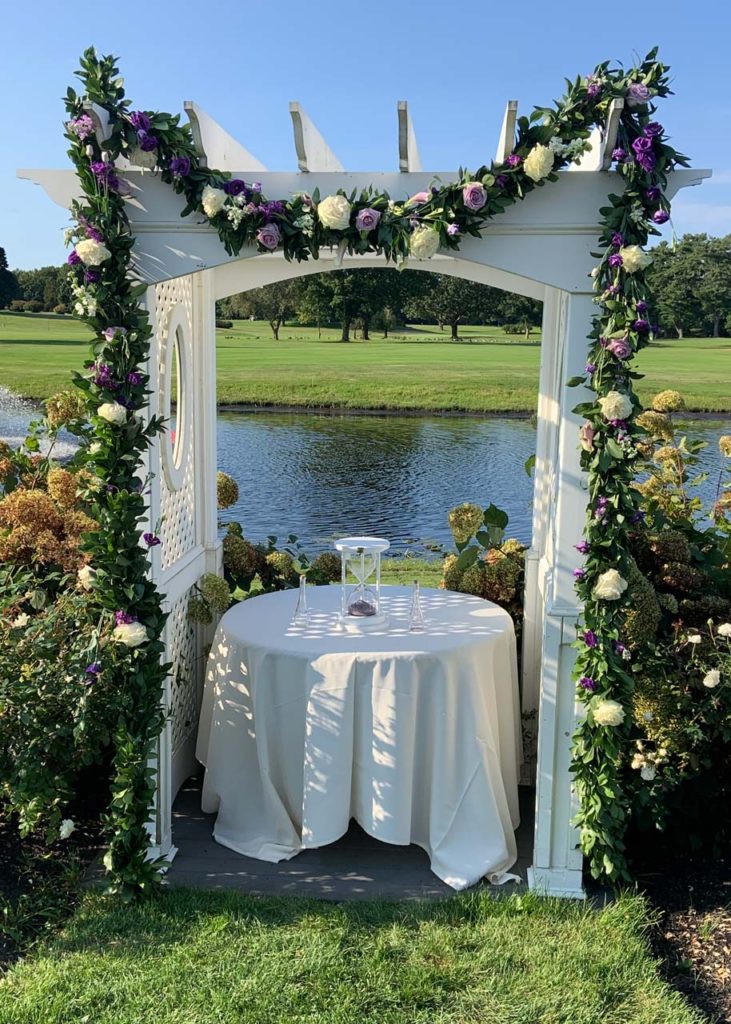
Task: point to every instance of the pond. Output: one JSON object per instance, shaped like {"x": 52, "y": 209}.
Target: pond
{"x": 321, "y": 476}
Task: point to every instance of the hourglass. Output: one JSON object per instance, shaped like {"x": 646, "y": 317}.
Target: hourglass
{"x": 360, "y": 605}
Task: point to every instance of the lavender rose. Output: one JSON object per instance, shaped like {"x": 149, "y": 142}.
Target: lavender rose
{"x": 620, "y": 348}
{"x": 180, "y": 166}
{"x": 652, "y": 129}
{"x": 474, "y": 195}
{"x": 367, "y": 219}
{"x": 268, "y": 236}
{"x": 660, "y": 216}
{"x": 140, "y": 121}
{"x": 637, "y": 95}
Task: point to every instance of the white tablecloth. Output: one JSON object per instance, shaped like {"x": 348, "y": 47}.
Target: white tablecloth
{"x": 415, "y": 735}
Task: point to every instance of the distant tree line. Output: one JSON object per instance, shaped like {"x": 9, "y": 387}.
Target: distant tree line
{"x": 691, "y": 280}
{"x": 381, "y": 299}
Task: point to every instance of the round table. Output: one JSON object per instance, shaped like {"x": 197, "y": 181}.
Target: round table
{"x": 415, "y": 735}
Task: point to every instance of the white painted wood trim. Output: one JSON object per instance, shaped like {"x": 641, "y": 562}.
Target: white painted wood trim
{"x": 408, "y": 151}
{"x": 507, "y": 132}
{"x": 313, "y": 153}
{"x": 215, "y": 147}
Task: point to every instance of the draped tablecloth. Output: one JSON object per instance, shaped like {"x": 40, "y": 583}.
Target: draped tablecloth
{"x": 415, "y": 735}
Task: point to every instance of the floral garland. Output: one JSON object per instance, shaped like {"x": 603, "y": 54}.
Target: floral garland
{"x": 369, "y": 221}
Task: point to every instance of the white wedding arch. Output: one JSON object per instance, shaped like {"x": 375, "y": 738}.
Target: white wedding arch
{"x": 540, "y": 249}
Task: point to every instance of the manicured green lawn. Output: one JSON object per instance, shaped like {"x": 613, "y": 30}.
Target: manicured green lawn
{"x": 195, "y": 957}
{"x": 417, "y": 369}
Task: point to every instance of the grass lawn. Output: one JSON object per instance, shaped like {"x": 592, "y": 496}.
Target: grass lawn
{"x": 196, "y": 957}
{"x": 416, "y": 369}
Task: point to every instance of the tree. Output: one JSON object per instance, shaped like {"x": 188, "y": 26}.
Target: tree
{"x": 8, "y": 282}
{"x": 274, "y": 303}
{"x": 377, "y": 290}
{"x": 453, "y": 301}
{"x": 520, "y": 310}
{"x": 676, "y": 301}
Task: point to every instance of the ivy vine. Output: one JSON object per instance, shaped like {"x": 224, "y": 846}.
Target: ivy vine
{"x": 116, "y": 385}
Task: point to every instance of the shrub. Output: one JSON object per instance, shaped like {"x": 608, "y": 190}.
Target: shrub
{"x": 34, "y": 306}
{"x": 18, "y": 306}
{"x": 61, "y": 309}
{"x": 224, "y": 324}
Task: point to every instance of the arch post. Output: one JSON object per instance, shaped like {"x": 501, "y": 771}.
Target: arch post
{"x": 557, "y": 859}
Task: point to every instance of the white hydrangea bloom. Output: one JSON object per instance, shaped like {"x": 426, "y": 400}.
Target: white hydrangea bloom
{"x": 424, "y": 242}
{"x": 608, "y": 712}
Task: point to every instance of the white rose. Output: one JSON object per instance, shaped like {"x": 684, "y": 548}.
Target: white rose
{"x": 695, "y": 638}
{"x": 608, "y": 712}
{"x": 539, "y": 162}
{"x": 20, "y": 620}
{"x": 140, "y": 158}
{"x": 634, "y": 258}
{"x": 725, "y": 629}
{"x": 213, "y": 200}
{"x": 610, "y": 586}
{"x": 638, "y": 761}
{"x": 85, "y": 576}
{"x": 424, "y": 242}
{"x": 112, "y": 412}
{"x": 334, "y": 213}
{"x": 615, "y": 406}
{"x": 91, "y": 253}
{"x": 132, "y": 634}
{"x": 67, "y": 827}
{"x": 648, "y": 773}
{"x": 712, "y": 679}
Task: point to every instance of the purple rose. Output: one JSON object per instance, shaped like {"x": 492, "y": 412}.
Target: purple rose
{"x": 474, "y": 196}
{"x": 637, "y": 95}
{"x": 501, "y": 180}
{"x": 619, "y": 154}
{"x": 587, "y": 683}
{"x": 620, "y": 348}
{"x": 641, "y": 326}
{"x": 615, "y": 260}
{"x": 514, "y": 160}
{"x": 268, "y": 236}
{"x": 590, "y": 638}
{"x": 104, "y": 377}
{"x": 180, "y": 166}
{"x": 637, "y": 517}
{"x": 641, "y": 306}
{"x": 660, "y": 216}
{"x": 453, "y": 230}
{"x": 647, "y": 161}
{"x": 93, "y": 669}
{"x": 652, "y": 129}
{"x": 91, "y": 276}
{"x": 151, "y": 540}
{"x": 579, "y": 574}
{"x": 124, "y": 618}
{"x": 134, "y": 377}
{"x": 590, "y": 368}
{"x": 593, "y": 87}
{"x": 583, "y": 547}
{"x": 618, "y": 647}
{"x": 642, "y": 144}
{"x": 234, "y": 187}
{"x": 73, "y": 258}
{"x": 256, "y": 186}
{"x": 652, "y": 194}
{"x": 110, "y": 332}
{"x": 367, "y": 219}
{"x": 618, "y": 239}
{"x": 140, "y": 121}
{"x": 147, "y": 142}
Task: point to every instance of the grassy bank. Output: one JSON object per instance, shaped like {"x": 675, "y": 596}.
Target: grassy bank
{"x": 418, "y": 368}
{"x": 211, "y": 957}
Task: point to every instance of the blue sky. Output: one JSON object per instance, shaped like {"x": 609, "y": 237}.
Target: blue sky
{"x": 348, "y": 63}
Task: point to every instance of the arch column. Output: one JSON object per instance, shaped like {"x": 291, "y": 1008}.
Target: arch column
{"x": 557, "y": 860}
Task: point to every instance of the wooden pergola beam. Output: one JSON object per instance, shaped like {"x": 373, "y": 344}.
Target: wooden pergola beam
{"x": 313, "y": 153}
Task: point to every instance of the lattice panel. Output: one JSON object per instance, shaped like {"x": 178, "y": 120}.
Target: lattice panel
{"x": 184, "y": 675}
{"x": 174, "y": 305}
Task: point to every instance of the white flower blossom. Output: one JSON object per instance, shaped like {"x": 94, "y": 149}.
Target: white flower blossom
{"x": 608, "y": 712}
{"x": 67, "y": 827}
{"x": 712, "y": 679}
{"x": 539, "y": 162}
{"x": 112, "y": 412}
{"x": 634, "y": 258}
{"x": 648, "y": 716}
{"x": 637, "y": 761}
{"x": 609, "y": 586}
{"x": 648, "y": 772}
{"x": 424, "y": 242}
{"x": 20, "y": 621}
{"x": 85, "y": 576}
{"x": 213, "y": 200}
{"x": 615, "y": 406}
{"x": 92, "y": 253}
{"x": 334, "y": 212}
{"x": 132, "y": 634}
{"x": 724, "y": 629}
{"x": 140, "y": 158}
{"x": 695, "y": 638}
